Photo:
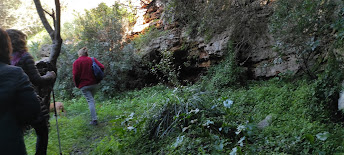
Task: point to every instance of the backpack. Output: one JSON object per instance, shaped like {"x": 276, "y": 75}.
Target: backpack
{"x": 98, "y": 73}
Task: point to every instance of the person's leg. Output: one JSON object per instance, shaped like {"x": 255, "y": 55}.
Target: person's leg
{"x": 88, "y": 93}
{"x": 42, "y": 132}
{"x": 42, "y": 129}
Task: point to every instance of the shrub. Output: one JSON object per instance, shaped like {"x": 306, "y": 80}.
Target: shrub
{"x": 328, "y": 86}
{"x": 226, "y": 74}
{"x": 64, "y": 85}
{"x": 304, "y": 27}
{"x": 200, "y": 17}
{"x": 100, "y": 29}
{"x": 165, "y": 70}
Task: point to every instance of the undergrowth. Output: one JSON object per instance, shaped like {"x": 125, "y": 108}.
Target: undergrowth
{"x": 188, "y": 120}
{"x": 283, "y": 115}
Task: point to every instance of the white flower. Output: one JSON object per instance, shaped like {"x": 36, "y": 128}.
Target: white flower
{"x": 228, "y": 103}
{"x": 195, "y": 111}
{"x": 240, "y": 142}
{"x": 130, "y": 128}
{"x": 240, "y": 128}
{"x": 179, "y": 140}
{"x": 234, "y": 151}
{"x": 208, "y": 123}
{"x": 193, "y": 121}
{"x": 185, "y": 128}
{"x": 323, "y": 136}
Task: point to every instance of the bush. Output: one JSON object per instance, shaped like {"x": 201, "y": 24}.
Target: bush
{"x": 328, "y": 86}
{"x": 304, "y": 27}
{"x": 64, "y": 85}
{"x": 165, "y": 70}
{"x": 100, "y": 29}
{"x": 314, "y": 30}
{"x": 200, "y": 17}
{"x": 226, "y": 74}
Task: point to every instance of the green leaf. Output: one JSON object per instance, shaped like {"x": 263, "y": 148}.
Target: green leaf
{"x": 310, "y": 138}
{"x": 323, "y": 136}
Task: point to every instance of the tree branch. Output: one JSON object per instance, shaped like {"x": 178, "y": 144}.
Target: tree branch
{"x": 44, "y": 20}
{"x": 50, "y": 14}
{"x": 58, "y": 20}
{"x": 57, "y": 40}
{"x": 143, "y": 2}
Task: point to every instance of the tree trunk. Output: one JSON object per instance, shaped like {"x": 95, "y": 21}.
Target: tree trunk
{"x": 45, "y": 91}
{"x": 55, "y": 34}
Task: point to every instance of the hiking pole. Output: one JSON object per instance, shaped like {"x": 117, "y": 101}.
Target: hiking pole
{"x": 57, "y": 125}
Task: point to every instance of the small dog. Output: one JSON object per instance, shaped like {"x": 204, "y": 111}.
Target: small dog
{"x": 59, "y": 108}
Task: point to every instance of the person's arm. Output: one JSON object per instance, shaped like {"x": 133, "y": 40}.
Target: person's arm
{"x": 76, "y": 74}
{"x": 27, "y": 104}
{"x": 34, "y": 76}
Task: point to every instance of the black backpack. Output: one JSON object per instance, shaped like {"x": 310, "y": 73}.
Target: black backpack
{"x": 98, "y": 73}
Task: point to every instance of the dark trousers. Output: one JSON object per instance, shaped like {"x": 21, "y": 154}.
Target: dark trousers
{"x": 42, "y": 131}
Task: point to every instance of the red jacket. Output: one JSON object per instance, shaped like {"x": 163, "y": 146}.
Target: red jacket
{"x": 82, "y": 71}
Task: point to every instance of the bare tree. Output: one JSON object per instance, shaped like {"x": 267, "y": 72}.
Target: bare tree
{"x": 44, "y": 91}
{"x": 54, "y": 32}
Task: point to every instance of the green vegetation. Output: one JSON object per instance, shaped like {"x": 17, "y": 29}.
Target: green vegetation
{"x": 227, "y": 74}
{"x": 190, "y": 120}
{"x": 308, "y": 27}
{"x": 215, "y": 116}
{"x": 165, "y": 70}
{"x": 100, "y": 30}
{"x": 200, "y": 17}
{"x": 20, "y": 14}
{"x": 143, "y": 39}
{"x": 220, "y": 114}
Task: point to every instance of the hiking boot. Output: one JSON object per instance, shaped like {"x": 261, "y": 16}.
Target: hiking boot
{"x": 94, "y": 122}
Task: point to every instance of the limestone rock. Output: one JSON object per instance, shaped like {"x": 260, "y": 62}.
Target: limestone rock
{"x": 264, "y": 123}
{"x": 162, "y": 43}
{"x": 45, "y": 50}
{"x": 251, "y": 33}
{"x": 341, "y": 99}
{"x": 218, "y": 44}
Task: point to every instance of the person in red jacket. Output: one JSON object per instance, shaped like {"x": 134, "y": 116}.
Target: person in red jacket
{"x": 85, "y": 80}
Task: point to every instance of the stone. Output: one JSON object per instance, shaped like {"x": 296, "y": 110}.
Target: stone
{"x": 264, "y": 123}
{"x": 341, "y": 99}
{"x": 275, "y": 66}
{"x": 256, "y": 54}
{"x": 218, "y": 44}
{"x": 45, "y": 50}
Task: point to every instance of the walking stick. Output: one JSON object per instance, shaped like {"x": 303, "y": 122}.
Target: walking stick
{"x": 57, "y": 126}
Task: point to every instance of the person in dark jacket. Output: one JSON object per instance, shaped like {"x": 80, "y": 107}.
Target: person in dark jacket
{"x": 85, "y": 80}
{"x": 22, "y": 58}
{"x": 18, "y": 101}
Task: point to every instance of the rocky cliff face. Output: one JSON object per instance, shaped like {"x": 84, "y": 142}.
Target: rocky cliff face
{"x": 247, "y": 29}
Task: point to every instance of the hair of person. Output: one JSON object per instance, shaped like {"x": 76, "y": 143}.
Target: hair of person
{"x": 83, "y": 52}
{"x": 5, "y": 47}
{"x": 18, "y": 39}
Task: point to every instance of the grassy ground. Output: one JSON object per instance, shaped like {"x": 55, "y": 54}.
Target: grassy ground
{"x": 78, "y": 137}
{"x": 192, "y": 120}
